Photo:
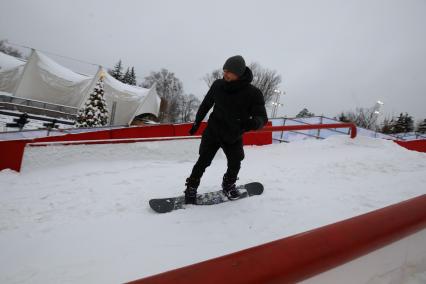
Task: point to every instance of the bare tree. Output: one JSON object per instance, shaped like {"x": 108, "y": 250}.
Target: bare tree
{"x": 363, "y": 117}
{"x": 188, "y": 107}
{"x": 169, "y": 88}
{"x": 265, "y": 79}
{"x": 213, "y": 76}
{"x": 9, "y": 50}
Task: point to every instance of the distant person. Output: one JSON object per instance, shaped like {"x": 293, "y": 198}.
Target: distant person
{"x": 238, "y": 107}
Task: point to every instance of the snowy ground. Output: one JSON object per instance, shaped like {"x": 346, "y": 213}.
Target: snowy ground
{"x": 79, "y": 214}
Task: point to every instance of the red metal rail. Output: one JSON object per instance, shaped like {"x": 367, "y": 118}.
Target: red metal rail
{"x": 11, "y": 152}
{"x": 299, "y": 257}
{"x": 352, "y": 127}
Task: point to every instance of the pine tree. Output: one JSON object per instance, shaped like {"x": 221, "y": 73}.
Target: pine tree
{"x": 421, "y": 128}
{"x": 127, "y": 77}
{"x": 305, "y": 113}
{"x": 398, "y": 124}
{"x": 343, "y": 118}
{"x": 409, "y": 123}
{"x": 132, "y": 80}
{"x": 387, "y": 127}
{"x": 117, "y": 72}
{"x": 403, "y": 124}
{"x": 95, "y": 112}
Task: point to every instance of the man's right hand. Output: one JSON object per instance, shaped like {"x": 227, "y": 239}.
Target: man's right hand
{"x": 194, "y": 128}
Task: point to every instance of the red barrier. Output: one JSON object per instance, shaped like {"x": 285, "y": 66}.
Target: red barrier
{"x": 415, "y": 145}
{"x": 166, "y": 130}
{"x": 95, "y": 135}
{"x": 299, "y": 257}
{"x": 111, "y": 141}
{"x": 11, "y": 153}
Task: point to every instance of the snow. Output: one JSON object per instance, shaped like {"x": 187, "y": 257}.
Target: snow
{"x": 8, "y": 62}
{"x": 79, "y": 214}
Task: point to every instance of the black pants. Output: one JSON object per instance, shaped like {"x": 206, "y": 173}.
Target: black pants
{"x": 209, "y": 146}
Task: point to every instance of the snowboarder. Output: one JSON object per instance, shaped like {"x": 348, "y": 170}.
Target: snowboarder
{"x": 238, "y": 107}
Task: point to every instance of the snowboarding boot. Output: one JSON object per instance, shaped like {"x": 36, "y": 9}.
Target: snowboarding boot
{"x": 229, "y": 187}
{"x": 191, "y": 190}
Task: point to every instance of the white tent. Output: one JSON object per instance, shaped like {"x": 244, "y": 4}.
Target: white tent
{"x": 11, "y": 69}
{"x": 9, "y": 62}
{"x": 45, "y": 80}
{"x": 125, "y": 101}
{"x": 42, "y": 79}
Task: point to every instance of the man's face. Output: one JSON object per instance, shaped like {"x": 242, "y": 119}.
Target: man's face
{"x": 229, "y": 76}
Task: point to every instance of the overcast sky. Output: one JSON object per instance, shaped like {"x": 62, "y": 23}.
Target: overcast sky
{"x": 333, "y": 55}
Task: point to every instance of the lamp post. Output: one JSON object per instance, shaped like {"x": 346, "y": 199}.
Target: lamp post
{"x": 276, "y": 104}
{"x": 377, "y": 107}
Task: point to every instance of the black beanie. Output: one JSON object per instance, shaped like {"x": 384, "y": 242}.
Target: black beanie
{"x": 236, "y": 65}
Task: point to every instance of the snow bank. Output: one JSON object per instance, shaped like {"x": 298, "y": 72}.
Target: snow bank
{"x": 80, "y": 214}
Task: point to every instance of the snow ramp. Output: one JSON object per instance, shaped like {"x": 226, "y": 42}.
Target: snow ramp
{"x": 80, "y": 214}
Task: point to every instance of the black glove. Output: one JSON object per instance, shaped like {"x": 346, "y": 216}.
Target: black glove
{"x": 249, "y": 124}
{"x": 194, "y": 128}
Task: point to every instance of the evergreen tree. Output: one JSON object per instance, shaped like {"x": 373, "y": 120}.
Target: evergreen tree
{"x": 398, "y": 125}
{"x": 95, "y": 112}
{"x": 305, "y": 113}
{"x": 117, "y": 72}
{"x": 421, "y": 128}
{"x": 343, "y": 118}
{"x": 403, "y": 124}
{"x": 387, "y": 127}
{"x": 132, "y": 80}
{"x": 127, "y": 77}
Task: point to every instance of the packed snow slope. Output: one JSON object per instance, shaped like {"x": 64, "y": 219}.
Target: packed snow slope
{"x": 80, "y": 214}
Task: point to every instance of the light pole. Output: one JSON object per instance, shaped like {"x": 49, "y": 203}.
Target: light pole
{"x": 276, "y": 104}
{"x": 376, "y": 113}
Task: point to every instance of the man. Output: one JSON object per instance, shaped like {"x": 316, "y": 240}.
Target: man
{"x": 238, "y": 107}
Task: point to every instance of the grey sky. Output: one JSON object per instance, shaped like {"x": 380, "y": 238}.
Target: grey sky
{"x": 333, "y": 55}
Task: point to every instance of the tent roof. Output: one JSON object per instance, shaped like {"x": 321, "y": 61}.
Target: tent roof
{"x": 52, "y": 67}
{"x": 9, "y": 62}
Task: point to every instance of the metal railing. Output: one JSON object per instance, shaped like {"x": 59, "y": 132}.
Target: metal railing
{"x": 351, "y": 126}
{"x": 299, "y": 130}
{"x": 37, "y": 107}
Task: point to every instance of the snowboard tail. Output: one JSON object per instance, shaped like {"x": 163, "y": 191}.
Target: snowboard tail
{"x": 164, "y": 205}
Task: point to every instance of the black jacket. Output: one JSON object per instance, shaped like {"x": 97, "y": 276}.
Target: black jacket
{"x": 238, "y": 107}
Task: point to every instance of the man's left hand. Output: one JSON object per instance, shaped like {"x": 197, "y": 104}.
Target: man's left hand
{"x": 249, "y": 124}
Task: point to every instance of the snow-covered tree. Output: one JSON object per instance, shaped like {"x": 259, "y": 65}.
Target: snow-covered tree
{"x": 117, "y": 72}
{"x": 95, "y": 111}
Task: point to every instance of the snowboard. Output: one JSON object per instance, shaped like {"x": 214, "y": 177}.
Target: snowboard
{"x": 164, "y": 205}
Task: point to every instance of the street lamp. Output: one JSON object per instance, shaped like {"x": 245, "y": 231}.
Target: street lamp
{"x": 377, "y": 107}
{"x": 276, "y": 103}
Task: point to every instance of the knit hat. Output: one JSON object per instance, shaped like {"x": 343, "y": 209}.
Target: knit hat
{"x": 236, "y": 65}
